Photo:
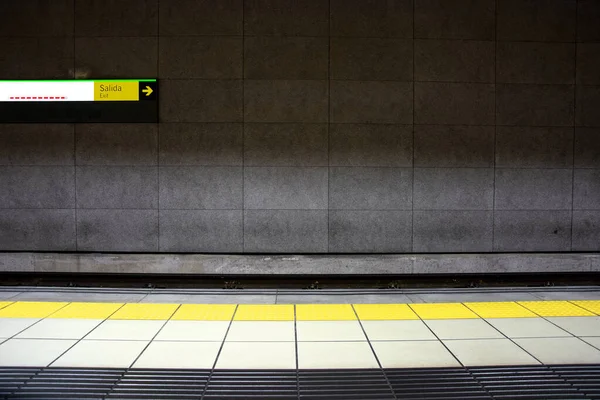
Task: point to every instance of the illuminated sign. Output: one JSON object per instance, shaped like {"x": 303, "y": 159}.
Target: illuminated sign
{"x": 127, "y": 100}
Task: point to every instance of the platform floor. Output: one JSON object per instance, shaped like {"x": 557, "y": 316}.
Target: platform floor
{"x": 181, "y": 329}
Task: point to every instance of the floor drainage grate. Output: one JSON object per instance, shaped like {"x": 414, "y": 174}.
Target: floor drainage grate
{"x": 518, "y": 382}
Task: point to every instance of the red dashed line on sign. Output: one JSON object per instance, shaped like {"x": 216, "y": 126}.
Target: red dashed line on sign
{"x": 38, "y": 97}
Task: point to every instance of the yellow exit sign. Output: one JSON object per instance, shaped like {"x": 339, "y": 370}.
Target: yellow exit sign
{"x": 116, "y": 91}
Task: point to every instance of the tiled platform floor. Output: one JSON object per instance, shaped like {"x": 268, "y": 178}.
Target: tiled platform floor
{"x": 304, "y": 336}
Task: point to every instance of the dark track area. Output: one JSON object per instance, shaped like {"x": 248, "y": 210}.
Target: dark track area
{"x": 507, "y": 382}
{"x": 308, "y": 282}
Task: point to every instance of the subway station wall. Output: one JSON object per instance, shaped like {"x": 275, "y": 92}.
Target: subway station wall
{"x": 311, "y": 126}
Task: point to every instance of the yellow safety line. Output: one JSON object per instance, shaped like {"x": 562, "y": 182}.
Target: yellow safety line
{"x": 303, "y": 312}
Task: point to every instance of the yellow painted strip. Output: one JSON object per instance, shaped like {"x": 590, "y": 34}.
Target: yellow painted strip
{"x": 4, "y": 304}
{"x": 325, "y": 312}
{"x": 508, "y": 309}
{"x": 372, "y": 312}
{"x": 116, "y": 91}
{"x": 87, "y": 310}
{"x": 443, "y": 311}
{"x": 264, "y": 312}
{"x": 590, "y": 305}
{"x": 145, "y": 311}
{"x": 204, "y": 312}
{"x": 30, "y": 309}
{"x": 555, "y": 309}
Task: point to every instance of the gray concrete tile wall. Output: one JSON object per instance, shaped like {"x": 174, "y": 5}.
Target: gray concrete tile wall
{"x": 201, "y": 144}
{"x": 534, "y": 147}
{"x": 274, "y": 57}
{"x": 371, "y": 18}
{"x": 285, "y": 188}
{"x": 371, "y": 59}
{"x": 116, "y": 18}
{"x": 586, "y": 189}
{"x": 454, "y": 103}
{"x": 36, "y": 57}
{"x": 454, "y": 60}
{"x": 588, "y": 63}
{"x": 370, "y": 231}
{"x": 361, "y": 188}
{"x": 311, "y": 126}
{"x": 535, "y": 62}
{"x": 198, "y": 187}
{"x": 200, "y": 17}
{"x": 532, "y": 230}
{"x": 220, "y": 101}
{"x": 201, "y": 231}
{"x": 118, "y": 57}
{"x": 286, "y": 18}
{"x": 37, "y": 230}
{"x": 588, "y": 18}
{"x": 117, "y": 187}
{"x": 452, "y": 231}
{"x": 588, "y": 103}
{"x": 534, "y": 105}
{"x": 454, "y": 146}
{"x": 117, "y": 230}
{"x": 52, "y": 18}
{"x": 42, "y": 144}
{"x": 37, "y": 187}
{"x": 453, "y": 188}
{"x": 533, "y": 189}
{"x": 586, "y": 230}
{"x": 117, "y": 144}
{"x": 532, "y": 20}
{"x": 587, "y": 147}
{"x": 455, "y": 19}
{"x": 370, "y": 145}
{"x": 285, "y": 231}
{"x": 197, "y": 57}
{"x": 291, "y": 145}
{"x": 371, "y": 102}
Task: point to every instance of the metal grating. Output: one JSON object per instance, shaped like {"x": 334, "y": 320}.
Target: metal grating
{"x": 511, "y": 382}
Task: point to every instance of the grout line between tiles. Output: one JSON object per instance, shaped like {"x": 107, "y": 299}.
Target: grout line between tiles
{"x": 154, "y": 337}
{"x": 372, "y": 350}
{"x": 35, "y": 323}
{"x": 574, "y": 125}
{"x": 87, "y": 334}
{"x": 328, "y": 133}
{"x": 502, "y": 333}
{"x": 212, "y": 370}
{"x": 296, "y": 351}
{"x": 243, "y": 128}
{"x": 436, "y": 336}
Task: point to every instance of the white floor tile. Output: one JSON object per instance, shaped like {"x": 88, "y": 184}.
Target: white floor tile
{"x": 579, "y": 326}
{"x": 101, "y": 354}
{"x": 560, "y": 350}
{"x": 60, "y": 329}
{"x": 211, "y": 331}
{"x": 397, "y": 330}
{"x": 257, "y": 355}
{"x": 527, "y": 327}
{"x": 261, "y": 331}
{"x": 179, "y": 355}
{"x": 333, "y": 331}
{"x": 32, "y": 352}
{"x": 11, "y": 326}
{"x": 407, "y": 354}
{"x": 489, "y": 352}
{"x": 463, "y": 329}
{"x": 126, "y": 330}
{"x": 335, "y": 355}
